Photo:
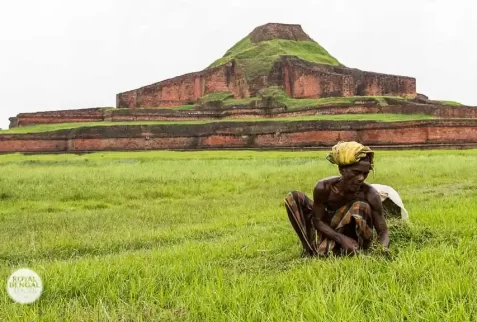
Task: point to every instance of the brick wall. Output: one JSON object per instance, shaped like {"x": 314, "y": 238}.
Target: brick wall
{"x": 375, "y": 84}
{"x": 187, "y": 89}
{"x": 246, "y": 135}
{"x": 306, "y": 83}
{"x": 301, "y": 79}
{"x": 96, "y": 115}
{"x": 61, "y": 116}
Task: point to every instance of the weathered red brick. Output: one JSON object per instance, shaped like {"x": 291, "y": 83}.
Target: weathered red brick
{"x": 32, "y": 145}
{"x": 187, "y": 89}
{"x": 66, "y": 116}
{"x": 244, "y": 134}
{"x": 224, "y": 141}
{"x": 129, "y": 144}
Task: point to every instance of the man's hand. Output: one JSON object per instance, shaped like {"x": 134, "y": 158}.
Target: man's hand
{"x": 349, "y": 244}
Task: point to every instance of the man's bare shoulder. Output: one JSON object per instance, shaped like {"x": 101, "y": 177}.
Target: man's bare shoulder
{"x": 371, "y": 194}
{"x": 324, "y": 184}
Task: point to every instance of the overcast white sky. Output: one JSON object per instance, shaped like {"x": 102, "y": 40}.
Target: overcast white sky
{"x": 64, "y": 54}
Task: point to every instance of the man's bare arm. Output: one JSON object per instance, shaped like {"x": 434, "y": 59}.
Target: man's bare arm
{"x": 378, "y": 218}
{"x": 320, "y": 194}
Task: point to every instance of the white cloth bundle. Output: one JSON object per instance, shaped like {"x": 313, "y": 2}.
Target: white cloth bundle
{"x": 386, "y": 192}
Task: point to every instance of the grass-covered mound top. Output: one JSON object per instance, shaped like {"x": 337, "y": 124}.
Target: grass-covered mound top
{"x": 257, "y": 52}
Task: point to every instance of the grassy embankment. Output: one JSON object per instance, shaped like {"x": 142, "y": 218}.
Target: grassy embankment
{"x": 339, "y": 117}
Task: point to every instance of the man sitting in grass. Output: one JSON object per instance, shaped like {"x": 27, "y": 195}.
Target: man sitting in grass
{"x": 345, "y": 208}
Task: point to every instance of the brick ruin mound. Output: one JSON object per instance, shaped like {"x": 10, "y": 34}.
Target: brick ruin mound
{"x": 273, "y": 54}
{"x": 276, "y": 58}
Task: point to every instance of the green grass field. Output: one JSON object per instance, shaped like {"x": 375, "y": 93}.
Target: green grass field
{"x": 338, "y": 117}
{"x": 204, "y": 236}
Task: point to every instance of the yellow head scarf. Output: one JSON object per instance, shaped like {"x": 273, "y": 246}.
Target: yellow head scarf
{"x": 346, "y": 153}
